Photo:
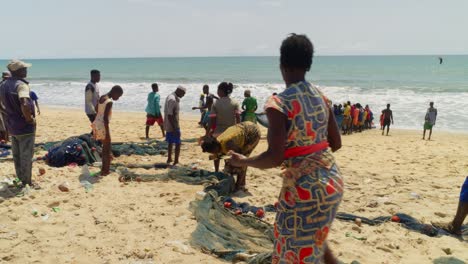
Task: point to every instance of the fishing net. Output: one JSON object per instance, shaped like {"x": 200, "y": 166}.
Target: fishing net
{"x": 405, "y": 220}
{"x": 150, "y": 148}
{"x": 235, "y": 232}
{"x": 220, "y": 182}
{"x": 72, "y": 150}
{"x": 227, "y": 235}
{"x": 120, "y": 148}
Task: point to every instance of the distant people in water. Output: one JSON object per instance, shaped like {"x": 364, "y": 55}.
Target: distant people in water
{"x": 153, "y": 110}
{"x": 387, "y": 119}
{"x": 441, "y": 60}
{"x": 92, "y": 95}
{"x": 430, "y": 120}
{"x": 171, "y": 123}
{"x": 249, "y": 105}
{"x": 101, "y": 125}
{"x": 454, "y": 227}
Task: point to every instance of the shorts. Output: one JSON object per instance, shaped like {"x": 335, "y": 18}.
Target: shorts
{"x": 91, "y": 118}
{"x": 150, "y": 120}
{"x": 206, "y": 119}
{"x": 428, "y": 125}
{"x": 386, "y": 122}
{"x": 173, "y": 137}
{"x": 464, "y": 192}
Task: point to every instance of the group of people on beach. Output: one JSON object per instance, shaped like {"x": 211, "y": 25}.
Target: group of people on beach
{"x": 353, "y": 117}
{"x": 302, "y": 135}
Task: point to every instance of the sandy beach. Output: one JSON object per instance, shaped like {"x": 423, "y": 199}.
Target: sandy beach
{"x": 139, "y": 222}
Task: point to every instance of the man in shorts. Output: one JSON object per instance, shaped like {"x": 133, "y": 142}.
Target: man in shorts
{"x": 387, "y": 118}
{"x": 171, "y": 123}
{"x": 430, "y": 120}
{"x": 153, "y": 110}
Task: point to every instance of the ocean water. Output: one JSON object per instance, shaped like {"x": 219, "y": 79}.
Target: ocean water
{"x": 408, "y": 83}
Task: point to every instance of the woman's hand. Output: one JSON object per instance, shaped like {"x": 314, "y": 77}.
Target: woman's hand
{"x": 237, "y": 160}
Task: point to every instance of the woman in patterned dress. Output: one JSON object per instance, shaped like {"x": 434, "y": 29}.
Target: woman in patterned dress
{"x": 302, "y": 128}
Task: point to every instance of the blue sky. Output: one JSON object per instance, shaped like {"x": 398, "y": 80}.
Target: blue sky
{"x": 155, "y": 28}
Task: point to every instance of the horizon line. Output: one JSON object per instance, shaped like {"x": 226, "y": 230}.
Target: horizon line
{"x": 236, "y": 56}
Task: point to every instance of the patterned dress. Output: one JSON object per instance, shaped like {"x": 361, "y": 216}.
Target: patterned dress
{"x": 312, "y": 186}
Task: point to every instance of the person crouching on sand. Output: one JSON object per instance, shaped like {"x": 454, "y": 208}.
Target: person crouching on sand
{"x": 101, "y": 129}
{"x": 241, "y": 138}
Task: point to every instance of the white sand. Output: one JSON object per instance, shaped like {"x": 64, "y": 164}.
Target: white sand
{"x": 132, "y": 223}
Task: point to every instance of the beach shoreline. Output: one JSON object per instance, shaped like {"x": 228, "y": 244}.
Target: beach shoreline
{"x": 135, "y": 222}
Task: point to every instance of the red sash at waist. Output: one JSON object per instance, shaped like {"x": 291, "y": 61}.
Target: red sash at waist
{"x": 305, "y": 150}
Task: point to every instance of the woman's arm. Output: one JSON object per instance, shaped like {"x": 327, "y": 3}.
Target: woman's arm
{"x": 274, "y": 155}
{"x": 238, "y": 119}
{"x": 334, "y": 136}
{"x": 213, "y": 125}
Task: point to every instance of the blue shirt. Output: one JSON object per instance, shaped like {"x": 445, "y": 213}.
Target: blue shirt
{"x": 33, "y": 96}
{"x": 153, "y": 108}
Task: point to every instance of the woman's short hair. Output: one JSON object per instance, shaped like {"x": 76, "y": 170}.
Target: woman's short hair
{"x": 226, "y": 87}
{"x": 296, "y": 52}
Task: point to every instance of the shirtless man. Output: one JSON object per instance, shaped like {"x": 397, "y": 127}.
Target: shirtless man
{"x": 387, "y": 118}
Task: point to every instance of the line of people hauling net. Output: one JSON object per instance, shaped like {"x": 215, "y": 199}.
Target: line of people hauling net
{"x": 353, "y": 117}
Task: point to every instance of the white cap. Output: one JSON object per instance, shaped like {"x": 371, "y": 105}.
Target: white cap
{"x": 15, "y": 65}
{"x": 180, "y": 87}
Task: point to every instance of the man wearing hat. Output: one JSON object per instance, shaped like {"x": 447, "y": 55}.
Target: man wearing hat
{"x": 171, "y": 123}
{"x": 3, "y": 131}
{"x": 20, "y": 118}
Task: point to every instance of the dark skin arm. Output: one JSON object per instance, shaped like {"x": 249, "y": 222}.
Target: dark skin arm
{"x": 274, "y": 155}
{"x": 238, "y": 119}
{"x": 37, "y": 106}
{"x": 106, "y": 120}
{"x": 172, "y": 119}
{"x": 213, "y": 121}
{"x": 26, "y": 110}
{"x": 334, "y": 137}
